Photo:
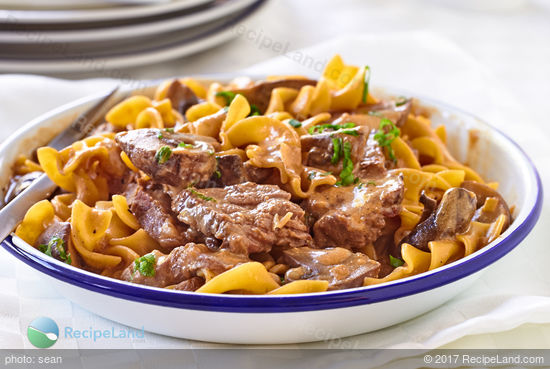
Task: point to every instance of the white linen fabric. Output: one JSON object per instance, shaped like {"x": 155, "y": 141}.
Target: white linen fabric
{"x": 512, "y": 292}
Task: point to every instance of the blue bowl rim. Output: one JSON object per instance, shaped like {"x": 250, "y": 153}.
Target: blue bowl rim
{"x": 293, "y": 303}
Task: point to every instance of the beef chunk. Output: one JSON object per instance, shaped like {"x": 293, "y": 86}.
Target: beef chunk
{"x": 353, "y": 216}
{"x": 371, "y": 114}
{"x": 259, "y": 93}
{"x": 340, "y": 267}
{"x": 256, "y": 174}
{"x": 181, "y": 96}
{"x": 151, "y": 206}
{"x": 182, "y": 264}
{"x": 366, "y": 154}
{"x": 180, "y": 166}
{"x": 244, "y": 216}
{"x": 229, "y": 171}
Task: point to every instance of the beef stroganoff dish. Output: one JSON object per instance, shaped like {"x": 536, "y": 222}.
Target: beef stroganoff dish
{"x": 280, "y": 186}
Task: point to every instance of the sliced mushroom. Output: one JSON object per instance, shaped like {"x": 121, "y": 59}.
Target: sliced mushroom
{"x": 260, "y": 93}
{"x": 340, "y": 267}
{"x": 20, "y": 184}
{"x": 452, "y": 216}
{"x": 181, "y": 96}
{"x": 483, "y": 192}
{"x": 429, "y": 206}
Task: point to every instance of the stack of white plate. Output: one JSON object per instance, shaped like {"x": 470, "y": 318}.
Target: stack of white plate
{"x": 59, "y": 36}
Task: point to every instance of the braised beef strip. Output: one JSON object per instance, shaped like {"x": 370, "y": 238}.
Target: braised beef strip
{"x": 243, "y": 216}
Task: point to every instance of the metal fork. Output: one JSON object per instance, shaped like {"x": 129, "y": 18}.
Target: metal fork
{"x": 42, "y": 187}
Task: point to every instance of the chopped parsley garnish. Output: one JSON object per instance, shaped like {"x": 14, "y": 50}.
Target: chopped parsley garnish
{"x": 314, "y": 174}
{"x": 323, "y": 127}
{"x": 346, "y": 175}
{"x": 385, "y": 137}
{"x": 227, "y": 95}
{"x": 402, "y": 101}
{"x": 146, "y": 265}
{"x": 351, "y": 132}
{"x": 163, "y": 154}
{"x": 160, "y": 136}
{"x": 171, "y": 130}
{"x": 185, "y": 145}
{"x": 295, "y": 123}
{"x": 337, "y": 150}
{"x": 59, "y": 245}
{"x": 218, "y": 173}
{"x": 396, "y": 262}
{"x": 366, "y": 84}
{"x": 201, "y": 196}
{"x": 254, "y": 110}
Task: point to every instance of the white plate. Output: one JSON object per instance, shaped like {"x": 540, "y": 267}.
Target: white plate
{"x": 72, "y": 4}
{"x": 217, "y": 10}
{"x": 148, "y": 55}
{"x": 100, "y": 49}
{"x": 303, "y": 317}
{"x": 96, "y": 15}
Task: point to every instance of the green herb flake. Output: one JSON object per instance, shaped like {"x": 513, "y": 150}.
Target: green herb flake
{"x": 59, "y": 245}
{"x": 227, "y": 95}
{"x": 346, "y": 175}
{"x": 337, "y": 150}
{"x": 295, "y": 123}
{"x": 185, "y": 145}
{"x": 350, "y": 132}
{"x": 366, "y": 84}
{"x": 401, "y": 101}
{"x": 218, "y": 173}
{"x": 163, "y": 154}
{"x": 146, "y": 265}
{"x": 171, "y": 130}
{"x": 201, "y": 196}
{"x": 160, "y": 136}
{"x": 396, "y": 262}
{"x": 254, "y": 111}
{"x": 323, "y": 127}
{"x": 385, "y": 136}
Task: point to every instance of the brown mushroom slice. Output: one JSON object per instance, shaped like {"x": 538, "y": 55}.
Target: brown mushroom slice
{"x": 259, "y": 94}
{"x": 429, "y": 206}
{"x": 181, "y": 96}
{"x": 452, "y": 216}
{"x": 341, "y": 267}
{"x": 489, "y": 213}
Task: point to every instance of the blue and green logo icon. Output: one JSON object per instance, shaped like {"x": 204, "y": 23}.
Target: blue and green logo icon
{"x": 43, "y": 332}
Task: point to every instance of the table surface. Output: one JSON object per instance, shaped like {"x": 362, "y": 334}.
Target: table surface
{"x": 508, "y": 37}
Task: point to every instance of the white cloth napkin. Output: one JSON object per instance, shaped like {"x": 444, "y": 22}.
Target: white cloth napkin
{"x": 512, "y": 292}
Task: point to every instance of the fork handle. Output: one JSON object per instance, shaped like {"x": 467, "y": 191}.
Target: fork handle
{"x": 15, "y": 210}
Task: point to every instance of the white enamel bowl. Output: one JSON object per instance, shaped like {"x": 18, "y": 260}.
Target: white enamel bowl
{"x": 292, "y": 318}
